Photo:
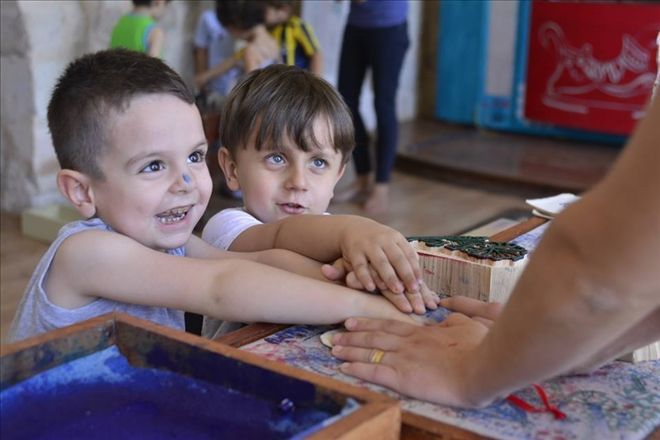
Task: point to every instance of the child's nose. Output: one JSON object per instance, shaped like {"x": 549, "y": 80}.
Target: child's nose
{"x": 297, "y": 179}
{"x": 183, "y": 183}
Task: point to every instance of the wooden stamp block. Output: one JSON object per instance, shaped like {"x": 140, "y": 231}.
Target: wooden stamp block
{"x": 473, "y": 266}
{"x": 126, "y": 377}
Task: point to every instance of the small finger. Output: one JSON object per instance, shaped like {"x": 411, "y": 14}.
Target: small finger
{"x": 332, "y": 273}
{"x": 431, "y": 299}
{"x": 417, "y": 302}
{"x": 377, "y": 279}
{"x": 412, "y": 257}
{"x": 404, "y": 265}
{"x": 353, "y": 282}
{"x": 382, "y": 265}
{"x": 364, "y": 276}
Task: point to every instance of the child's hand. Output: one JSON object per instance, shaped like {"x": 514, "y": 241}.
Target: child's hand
{"x": 380, "y": 257}
{"x": 405, "y": 302}
{"x": 338, "y": 272}
{"x": 414, "y": 302}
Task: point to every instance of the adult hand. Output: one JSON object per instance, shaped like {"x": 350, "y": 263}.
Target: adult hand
{"x": 481, "y": 311}
{"x": 430, "y": 362}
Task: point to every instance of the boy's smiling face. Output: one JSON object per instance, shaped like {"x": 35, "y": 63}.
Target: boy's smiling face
{"x": 277, "y": 183}
{"x": 144, "y": 194}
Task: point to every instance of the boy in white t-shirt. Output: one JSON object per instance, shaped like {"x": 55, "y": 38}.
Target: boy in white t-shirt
{"x": 285, "y": 137}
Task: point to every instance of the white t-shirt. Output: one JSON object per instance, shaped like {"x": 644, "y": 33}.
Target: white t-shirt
{"x": 222, "y": 229}
{"x": 210, "y": 35}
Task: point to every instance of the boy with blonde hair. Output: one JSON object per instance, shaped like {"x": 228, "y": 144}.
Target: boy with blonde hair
{"x": 131, "y": 146}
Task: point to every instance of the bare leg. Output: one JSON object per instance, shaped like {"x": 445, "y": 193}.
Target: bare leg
{"x": 378, "y": 201}
{"x": 359, "y": 188}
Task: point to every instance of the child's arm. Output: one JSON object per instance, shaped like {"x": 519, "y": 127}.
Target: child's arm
{"x": 203, "y": 78}
{"x": 201, "y": 55}
{"x": 362, "y": 242}
{"x": 310, "y": 45}
{"x": 280, "y": 258}
{"x": 104, "y": 264}
{"x": 155, "y": 42}
{"x": 316, "y": 63}
{"x": 296, "y": 263}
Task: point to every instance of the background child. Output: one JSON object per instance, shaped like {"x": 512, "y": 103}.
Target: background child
{"x": 130, "y": 142}
{"x": 245, "y": 20}
{"x": 212, "y": 45}
{"x": 138, "y": 30}
{"x": 285, "y": 138}
{"x": 295, "y": 36}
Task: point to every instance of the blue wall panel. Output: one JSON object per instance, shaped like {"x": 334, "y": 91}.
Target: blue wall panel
{"x": 460, "y": 59}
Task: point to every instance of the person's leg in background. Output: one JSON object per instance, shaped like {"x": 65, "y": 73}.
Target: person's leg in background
{"x": 352, "y": 70}
{"x": 387, "y": 47}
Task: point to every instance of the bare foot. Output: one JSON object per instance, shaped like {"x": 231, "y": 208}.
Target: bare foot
{"x": 355, "y": 190}
{"x": 378, "y": 201}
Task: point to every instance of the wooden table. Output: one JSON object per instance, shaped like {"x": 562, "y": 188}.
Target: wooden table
{"x": 413, "y": 426}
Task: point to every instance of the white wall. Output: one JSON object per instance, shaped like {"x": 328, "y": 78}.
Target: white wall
{"x": 39, "y": 39}
{"x": 328, "y": 18}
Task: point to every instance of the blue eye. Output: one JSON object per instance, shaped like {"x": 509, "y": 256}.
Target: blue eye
{"x": 153, "y": 167}
{"x": 196, "y": 157}
{"x": 319, "y": 163}
{"x": 275, "y": 158}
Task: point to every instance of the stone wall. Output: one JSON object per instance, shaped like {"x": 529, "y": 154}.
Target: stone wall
{"x": 39, "y": 38}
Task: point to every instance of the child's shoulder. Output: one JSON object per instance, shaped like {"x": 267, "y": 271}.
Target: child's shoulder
{"x": 223, "y": 228}
{"x": 227, "y": 217}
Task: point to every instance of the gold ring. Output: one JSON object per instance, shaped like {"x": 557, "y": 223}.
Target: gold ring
{"x": 376, "y": 356}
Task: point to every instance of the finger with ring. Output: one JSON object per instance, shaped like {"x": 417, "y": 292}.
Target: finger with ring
{"x": 376, "y": 356}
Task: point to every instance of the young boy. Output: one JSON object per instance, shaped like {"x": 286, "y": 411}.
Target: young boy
{"x": 245, "y": 20}
{"x": 131, "y": 146}
{"x": 286, "y": 136}
{"x": 296, "y": 37}
{"x": 138, "y": 30}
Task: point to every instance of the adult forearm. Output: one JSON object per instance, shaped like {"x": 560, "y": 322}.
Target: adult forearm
{"x": 567, "y": 307}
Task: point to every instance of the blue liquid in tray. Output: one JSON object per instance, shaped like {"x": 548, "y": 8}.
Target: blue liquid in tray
{"x": 103, "y": 396}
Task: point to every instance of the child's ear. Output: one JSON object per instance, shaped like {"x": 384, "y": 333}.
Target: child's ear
{"x": 229, "y": 169}
{"x": 75, "y": 186}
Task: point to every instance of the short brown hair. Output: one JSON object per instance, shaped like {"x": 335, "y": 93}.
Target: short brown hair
{"x": 93, "y": 87}
{"x": 279, "y": 101}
